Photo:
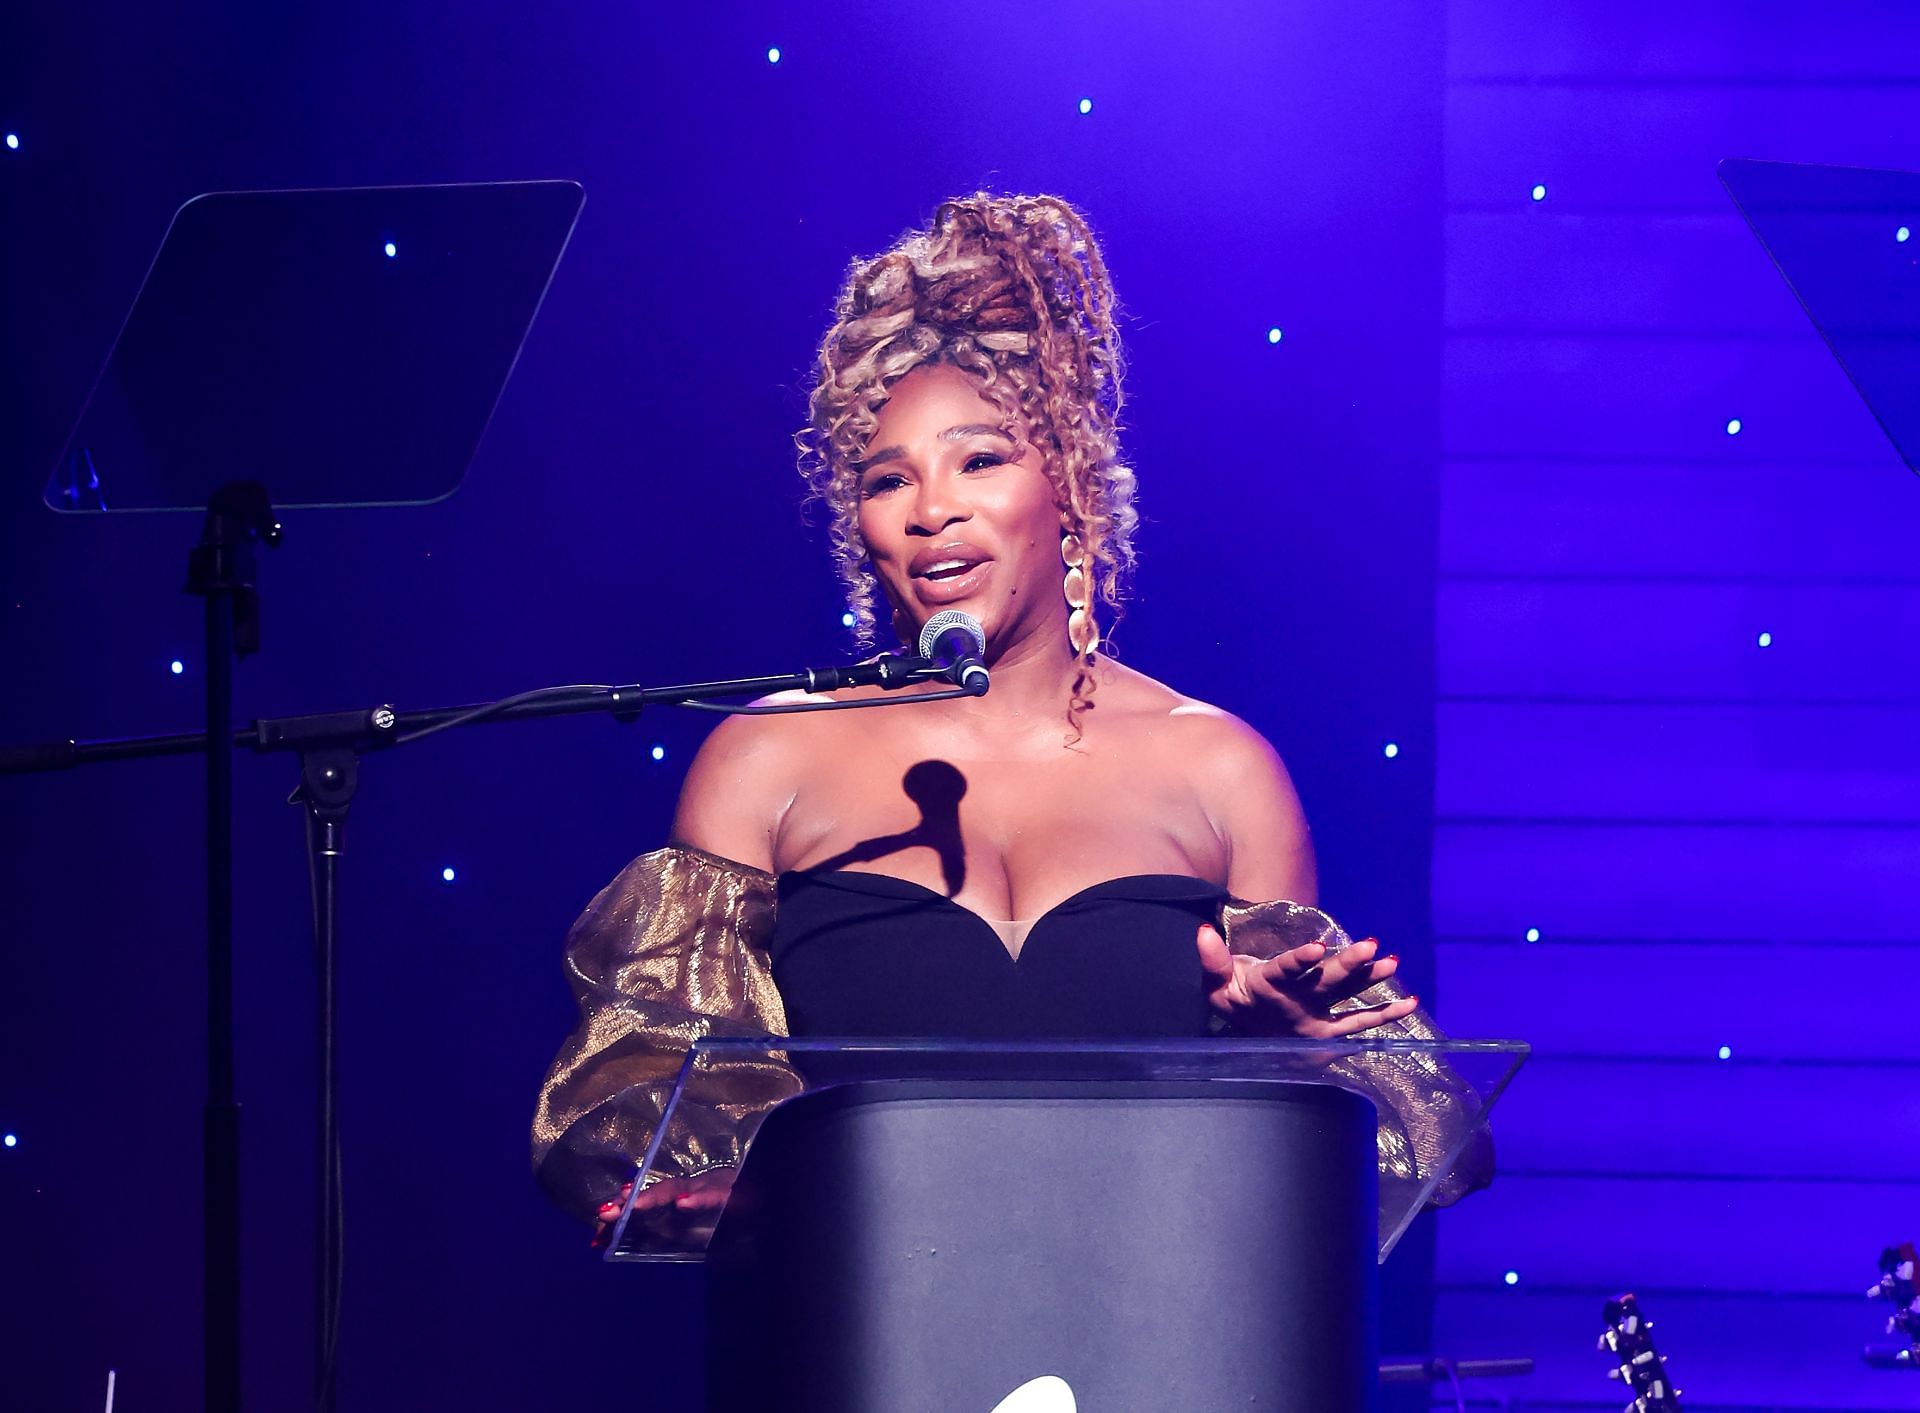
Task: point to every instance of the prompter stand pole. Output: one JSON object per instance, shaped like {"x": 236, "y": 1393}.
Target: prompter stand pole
{"x": 330, "y": 746}
{"x": 220, "y": 570}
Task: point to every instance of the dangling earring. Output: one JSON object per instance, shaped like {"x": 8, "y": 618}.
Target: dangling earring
{"x": 1083, "y": 634}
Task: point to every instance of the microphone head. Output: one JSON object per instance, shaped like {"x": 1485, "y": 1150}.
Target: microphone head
{"x": 949, "y": 618}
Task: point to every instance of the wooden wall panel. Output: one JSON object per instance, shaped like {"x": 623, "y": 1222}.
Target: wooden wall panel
{"x": 1679, "y": 882}
{"x": 1744, "y": 761}
{"x": 1742, "y": 519}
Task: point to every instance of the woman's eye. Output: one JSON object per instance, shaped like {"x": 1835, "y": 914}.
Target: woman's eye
{"x": 879, "y": 485}
{"x": 983, "y": 459}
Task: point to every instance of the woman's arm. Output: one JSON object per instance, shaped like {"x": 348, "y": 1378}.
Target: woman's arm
{"x": 1250, "y": 799}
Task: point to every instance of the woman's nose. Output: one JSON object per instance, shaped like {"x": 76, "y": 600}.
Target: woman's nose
{"x": 937, "y": 503}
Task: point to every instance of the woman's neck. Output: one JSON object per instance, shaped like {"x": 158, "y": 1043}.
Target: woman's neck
{"x": 1033, "y": 677}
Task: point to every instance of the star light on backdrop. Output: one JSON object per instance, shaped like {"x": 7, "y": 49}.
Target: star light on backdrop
{"x": 1274, "y": 335}
{"x": 1765, "y": 640}
{"x": 10, "y": 1141}
{"x": 658, "y": 752}
{"x": 773, "y": 55}
{"x": 1086, "y": 106}
{"x": 446, "y": 875}
{"x": 391, "y": 250}
{"x": 1539, "y": 192}
{"x": 1533, "y": 934}
{"x": 1903, "y": 235}
{"x": 13, "y": 142}
{"x": 1726, "y": 1052}
{"x": 1733, "y": 426}
{"x": 1392, "y": 750}
{"x": 1512, "y": 1278}
{"x": 176, "y": 667}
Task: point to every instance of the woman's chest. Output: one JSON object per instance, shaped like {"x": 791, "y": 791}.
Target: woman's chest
{"x": 1007, "y": 837}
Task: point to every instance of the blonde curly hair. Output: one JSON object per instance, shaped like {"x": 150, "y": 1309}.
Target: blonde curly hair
{"x": 1012, "y": 290}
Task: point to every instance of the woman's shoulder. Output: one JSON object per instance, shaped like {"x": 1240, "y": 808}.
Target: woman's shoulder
{"x": 1235, "y": 774}
{"x": 1145, "y": 704}
{"x": 746, "y": 773}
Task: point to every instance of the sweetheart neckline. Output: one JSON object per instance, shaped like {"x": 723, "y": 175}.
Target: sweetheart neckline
{"x": 807, "y": 875}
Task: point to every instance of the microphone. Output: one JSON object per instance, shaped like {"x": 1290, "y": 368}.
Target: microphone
{"x": 953, "y": 642}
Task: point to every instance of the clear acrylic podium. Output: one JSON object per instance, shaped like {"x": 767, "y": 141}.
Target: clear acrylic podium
{"x": 1155, "y": 1224}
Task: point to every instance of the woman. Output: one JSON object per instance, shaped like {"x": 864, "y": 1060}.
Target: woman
{"x": 1050, "y": 859}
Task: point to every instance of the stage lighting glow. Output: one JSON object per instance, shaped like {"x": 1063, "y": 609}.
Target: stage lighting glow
{"x": 773, "y": 55}
{"x": 13, "y": 143}
{"x": 1392, "y": 750}
{"x": 1765, "y": 640}
{"x": 1086, "y": 105}
{"x": 1274, "y": 335}
{"x": 1726, "y": 1052}
{"x": 176, "y": 667}
{"x": 1539, "y": 192}
{"x": 846, "y": 620}
{"x": 1533, "y": 934}
{"x": 1733, "y": 426}
{"x": 1903, "y": 235}
{"x": 1512, "y": 1278}
{"x": 10, "y": 1141}
{"x": 446, "y": 875}
{"x": 391, "y": 250}
{"x": 658, "y": 752}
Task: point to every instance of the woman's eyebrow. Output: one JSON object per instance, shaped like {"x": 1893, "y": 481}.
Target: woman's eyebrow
{"x": 952, "y": 434}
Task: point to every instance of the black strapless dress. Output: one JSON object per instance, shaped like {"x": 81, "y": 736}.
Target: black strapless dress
{"x": 869, "y": 954}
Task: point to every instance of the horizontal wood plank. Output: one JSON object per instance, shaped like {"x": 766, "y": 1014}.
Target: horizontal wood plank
{"x": 1782, "y": 883}
{"x": 1752, "y": 519}
{"x": 1679, "y": 641}
{"x": 1752, "y": 761}
{"x": 1627, "y": 41}
{"x": 1549, "y": 270}
{"x": 1788, "y": 1238}
{"x": 1810, "y": 1118}
{"x": 1645, "y": 148}
{"x": 1597, "y": 397}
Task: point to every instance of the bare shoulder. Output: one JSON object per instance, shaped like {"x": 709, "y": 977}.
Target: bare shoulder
{"x": 1238, "y": 776}
{"x": 743, "y": 778}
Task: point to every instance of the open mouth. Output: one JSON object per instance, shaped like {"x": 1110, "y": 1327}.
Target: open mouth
{"x": 950, "y": 570}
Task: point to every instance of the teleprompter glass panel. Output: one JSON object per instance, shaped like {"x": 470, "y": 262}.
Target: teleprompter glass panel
{"x": 1847, "y": 241}
{"x": 342, "y": 347}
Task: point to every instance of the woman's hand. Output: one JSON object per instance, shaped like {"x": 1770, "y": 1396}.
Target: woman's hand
{"x": 682, "y": 1211}
{"x": 1294, "y": 993}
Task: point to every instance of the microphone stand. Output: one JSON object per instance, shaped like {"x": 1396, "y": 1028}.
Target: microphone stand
{"x": 330, "y": 746}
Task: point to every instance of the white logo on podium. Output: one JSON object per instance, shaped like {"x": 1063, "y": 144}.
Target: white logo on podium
{"x": 1047, "y": 1394}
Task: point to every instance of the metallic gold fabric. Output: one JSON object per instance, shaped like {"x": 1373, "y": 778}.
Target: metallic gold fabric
{"x": 1423, "y": 1106}
{"x": 675, "y": 947}
{"x": 671, "y": 950}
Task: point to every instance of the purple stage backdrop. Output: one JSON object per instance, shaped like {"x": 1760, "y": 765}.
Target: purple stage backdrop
{"x": 1440, "y": 326}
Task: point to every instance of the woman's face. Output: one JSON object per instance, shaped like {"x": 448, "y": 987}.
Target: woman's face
{"x": 949, "y": 518}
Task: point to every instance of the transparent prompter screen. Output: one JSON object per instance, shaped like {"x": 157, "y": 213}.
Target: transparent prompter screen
{"x": 342, "y": 346}
{"x": 1847, "y": 241}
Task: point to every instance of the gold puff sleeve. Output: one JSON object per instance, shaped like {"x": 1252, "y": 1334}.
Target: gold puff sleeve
{"x": 1423, "y": 1106}
{"x": 674, "y": 948}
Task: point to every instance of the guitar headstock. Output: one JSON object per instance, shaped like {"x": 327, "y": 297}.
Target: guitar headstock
{"x": 1640, "y": 1368}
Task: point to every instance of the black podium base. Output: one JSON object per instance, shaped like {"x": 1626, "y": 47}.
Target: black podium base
{"x": 1153, "y": 1246}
